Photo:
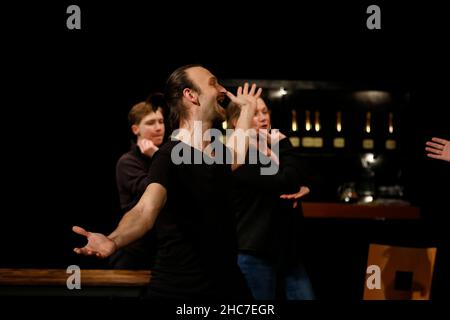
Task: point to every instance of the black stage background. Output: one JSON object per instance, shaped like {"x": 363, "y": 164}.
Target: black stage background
{"x": 66, "y": 94}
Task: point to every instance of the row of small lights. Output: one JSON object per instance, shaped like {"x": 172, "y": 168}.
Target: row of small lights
{"x": 366, "y": 95}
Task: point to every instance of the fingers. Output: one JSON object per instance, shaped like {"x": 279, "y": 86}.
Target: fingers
{"x": 435, "y": 151}
{"x": 295, "y": 204}
{"x": 146, "y": 146}
{"x": 252, "y": 90}
{"x": 231, "y": 96}
{"x": 288, "y": 196}
{"x": 245, "y": 91}
{"x": 234, "y": 98}
{"x": 84, "y": 251}
{"x": 258, "y": 93}
{"x": 439, "y": 140}
{"x": 143, "y": 142}
{"x": 303, "y": 192}
{"x": 434, "y": 156}
{"x": 80, "y": 230}
{"x": 435, "y": 145}
{"x": 147, "y": 142}
{"x": 293, "y": 196}
{"x": 87, "y": 252}
{"x": 141, "y": 147}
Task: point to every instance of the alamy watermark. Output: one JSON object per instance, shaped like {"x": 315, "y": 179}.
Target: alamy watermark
{"x": 373, "y": 281}
{"x": 74, "y": 280}
{"x": 374, "y": 20}
{"x": 74, "y": 19}
{"x": 259, "y": 143}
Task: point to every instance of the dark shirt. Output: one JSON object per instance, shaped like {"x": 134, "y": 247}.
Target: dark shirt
{"x": 268, "y": 226}
{"x": 132, "y": 176}
{"x": 196, "y": 231}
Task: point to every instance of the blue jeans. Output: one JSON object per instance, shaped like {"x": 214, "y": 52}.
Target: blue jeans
{"x": 261, "y": 277}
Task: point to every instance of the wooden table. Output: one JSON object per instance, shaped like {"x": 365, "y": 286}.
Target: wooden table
{"x": 360, "y": 211}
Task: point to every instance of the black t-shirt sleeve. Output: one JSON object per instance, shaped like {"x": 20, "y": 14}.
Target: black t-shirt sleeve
{"x": 287, "y": 179}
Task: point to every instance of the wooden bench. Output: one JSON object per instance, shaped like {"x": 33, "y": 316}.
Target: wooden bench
{"x": 53, "y": 282}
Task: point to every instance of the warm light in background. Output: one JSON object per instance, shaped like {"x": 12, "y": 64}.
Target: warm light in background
{"x": 294, "y": 121}
{"x": 368, "y": 158}
{"x": 278, "y": 93}
{"x": 391, "y": 122}
{"x": 224, "y": 125}
{"x": 317, "y": 121}
{"x": 368, "y": 117}
{"x": 307, "y": 120}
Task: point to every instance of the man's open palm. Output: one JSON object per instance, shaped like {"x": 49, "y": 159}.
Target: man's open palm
{"x": 98, "y": 244}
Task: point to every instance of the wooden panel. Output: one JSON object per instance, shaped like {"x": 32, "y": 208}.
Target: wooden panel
{"x": 359, "y": 211}
{"x": 58, "y": 277}
{"x": 419, "y": 262}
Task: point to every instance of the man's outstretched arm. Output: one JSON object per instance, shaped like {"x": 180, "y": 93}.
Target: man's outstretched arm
{"x": 134, "y": 224}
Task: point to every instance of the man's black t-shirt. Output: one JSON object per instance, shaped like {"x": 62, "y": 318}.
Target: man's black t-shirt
{"x": 196, "y": 231}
